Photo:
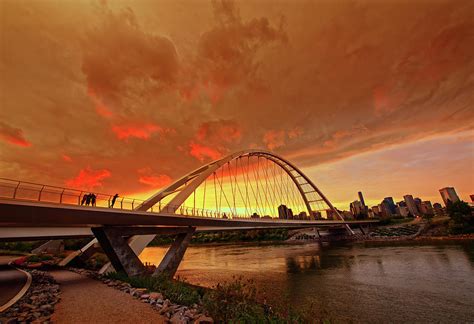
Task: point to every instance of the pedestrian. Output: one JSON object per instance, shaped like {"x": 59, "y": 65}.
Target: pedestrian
{"x": 88, "y": 199}
{"x": 84, "y": 198}
{"x": 114, "y": 198}
{"x": 93, "y": 197}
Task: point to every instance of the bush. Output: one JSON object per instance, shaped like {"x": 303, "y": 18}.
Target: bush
{"x": 462, "y": 220}
{"x": 233, "y": 302}
{"x": 177, "y": 291}
{"x": 39, "y": 258}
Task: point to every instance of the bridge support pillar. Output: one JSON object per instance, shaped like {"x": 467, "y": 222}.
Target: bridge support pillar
{"x": 118, "y": 251}
{"x": 175, "y": 253}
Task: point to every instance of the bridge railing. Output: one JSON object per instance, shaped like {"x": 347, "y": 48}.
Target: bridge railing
{"x": 29, "y": 191}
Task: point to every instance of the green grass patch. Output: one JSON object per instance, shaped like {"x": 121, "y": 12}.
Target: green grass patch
{"x": 230, "y": 302}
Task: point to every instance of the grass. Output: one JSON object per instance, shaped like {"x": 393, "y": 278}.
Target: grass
{"x": 12, "y": 252}
{"x": 231, "y": 302}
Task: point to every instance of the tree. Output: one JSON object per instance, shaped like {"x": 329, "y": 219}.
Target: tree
{"x": 462, "y": 220}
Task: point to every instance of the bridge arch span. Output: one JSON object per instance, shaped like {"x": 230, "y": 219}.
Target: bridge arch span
{"x": 186, "y": 185}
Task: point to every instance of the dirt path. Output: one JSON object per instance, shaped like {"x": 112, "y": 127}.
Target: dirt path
{"x": 84, "y": 300}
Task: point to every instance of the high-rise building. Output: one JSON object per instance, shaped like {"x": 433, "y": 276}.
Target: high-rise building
{"x": 290, "y": 213}
{"x": 449, "y": 194}
{"x": 361, "y": 198}
{"x": 282, "y": 212}
{"x": 391, "y": 204}
{"x": 402, "y": 209}
{"x": 418, "y": 204}
{"x": 385, "y": 210}
{"x": 358, "y": 210}
{"x": 438, "y": 210}
{"x": 411, "y": 205}
{"x": 315, "y": 215}
{"x": 426, "y": 208}
{"x": 375, "y": 210}
{"x": 303, "y": 215}
{"x": 472, "y": 198}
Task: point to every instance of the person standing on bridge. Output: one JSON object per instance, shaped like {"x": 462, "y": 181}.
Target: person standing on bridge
{"x": 93, "y": 198}
{"x": 114, "y": 198}
{"x": 88, "y": 199}
{"x": 84, "y": 198}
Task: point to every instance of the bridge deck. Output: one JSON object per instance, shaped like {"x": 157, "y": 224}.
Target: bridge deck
{"x": 70, "y": 220}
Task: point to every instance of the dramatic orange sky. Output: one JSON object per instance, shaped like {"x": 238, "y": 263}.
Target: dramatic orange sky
{"x": 124, "y": 96}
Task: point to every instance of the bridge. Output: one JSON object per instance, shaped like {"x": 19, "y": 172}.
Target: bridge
{"x": 250, "y": 189}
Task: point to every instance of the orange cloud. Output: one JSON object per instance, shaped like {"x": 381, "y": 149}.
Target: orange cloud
{"x": 88, "y": 178}
{"x": 202, "y": 152}
{"x": 155, "y": 180}
{"x": 100, "y": 107}
{"x": 219, "y": 131}
{"x": 274, "y": 139}
{"x": 144, "y": 131}
{"x": 66, "y": 158}
{"x": 13, "y": 135}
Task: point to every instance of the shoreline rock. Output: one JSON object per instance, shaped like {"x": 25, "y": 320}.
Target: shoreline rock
{"x": 37, "y": 305}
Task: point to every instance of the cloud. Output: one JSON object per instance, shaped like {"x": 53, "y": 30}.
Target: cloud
{"x": 274, "y": 139}
{"x": 13, "y": 135}
{"x": 88, "y": 179}
{"x": 66, "y": 158}
{"x": 203, "y": 153}
{"x": 117, "y": 53}
{"x": 219, "y": 131}
{"x": 141, "y": 131}
{"x": 157, "y": 181}
{"x": 136, "y": 87}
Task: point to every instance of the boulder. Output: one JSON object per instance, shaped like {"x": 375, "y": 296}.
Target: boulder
{"x": 156, "y": 295}
{"x": 203, "y": 320}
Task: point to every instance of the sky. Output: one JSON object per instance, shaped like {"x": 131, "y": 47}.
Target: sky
{"x": 125, "y": 96}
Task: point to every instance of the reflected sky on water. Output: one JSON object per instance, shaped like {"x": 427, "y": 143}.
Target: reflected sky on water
{"x": 363, "y": 284}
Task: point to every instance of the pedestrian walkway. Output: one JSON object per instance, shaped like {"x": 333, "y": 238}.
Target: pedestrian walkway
{"x": 84, "y": 300}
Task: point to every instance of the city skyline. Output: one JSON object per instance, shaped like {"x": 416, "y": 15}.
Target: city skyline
{"x": 181, "y": 96}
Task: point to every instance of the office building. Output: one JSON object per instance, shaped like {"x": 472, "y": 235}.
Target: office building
{"x": 426, "y": 208}
{"x": 391, "y": 205}
{"x": 282, "y": 212}
{"x": 449, "y": 194}
{"x": 411, "y": 205}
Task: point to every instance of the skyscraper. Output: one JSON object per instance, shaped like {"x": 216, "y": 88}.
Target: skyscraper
{"x": 411, "y": 205}
{"x": 282, "y": 212}
{"x": 449, "y": 194}
{"x": 391, "y": 204}
{"x": 361, "y": 198}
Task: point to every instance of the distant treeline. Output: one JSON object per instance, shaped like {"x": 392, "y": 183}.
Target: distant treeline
{"x": 230, "y": 236}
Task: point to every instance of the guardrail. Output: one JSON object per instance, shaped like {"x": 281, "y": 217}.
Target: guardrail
{"x": 29, "y": 191}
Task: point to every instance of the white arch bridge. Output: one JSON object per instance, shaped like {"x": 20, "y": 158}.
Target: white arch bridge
{"x": 250, "y": 189}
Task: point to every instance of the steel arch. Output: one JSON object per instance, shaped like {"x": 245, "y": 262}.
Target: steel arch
{"x": 188, "y": 183}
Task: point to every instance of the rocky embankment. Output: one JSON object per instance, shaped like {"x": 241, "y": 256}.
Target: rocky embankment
{"x": 177, "y": 314}
{"x": 37, "y": 305}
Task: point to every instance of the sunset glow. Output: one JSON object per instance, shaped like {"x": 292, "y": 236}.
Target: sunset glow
{"x": 374, "y": 97}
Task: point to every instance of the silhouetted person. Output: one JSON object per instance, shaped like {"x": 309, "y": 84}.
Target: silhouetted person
{"x": 114, "y": 198}
{"x": 93, "y": 197}
{"x": 84, "y": 198}
{"x": 88, "y": 199}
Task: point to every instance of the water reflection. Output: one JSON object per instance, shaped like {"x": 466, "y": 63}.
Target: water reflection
{"x": 421, "y": 283}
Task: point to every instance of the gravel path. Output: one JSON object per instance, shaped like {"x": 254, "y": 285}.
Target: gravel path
{"x": 84, "y": 300}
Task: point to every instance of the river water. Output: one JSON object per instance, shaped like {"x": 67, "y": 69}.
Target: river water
{"x": 431, "y": 283}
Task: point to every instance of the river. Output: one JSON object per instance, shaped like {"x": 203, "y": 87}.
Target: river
{"x": 347, "y": 283}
